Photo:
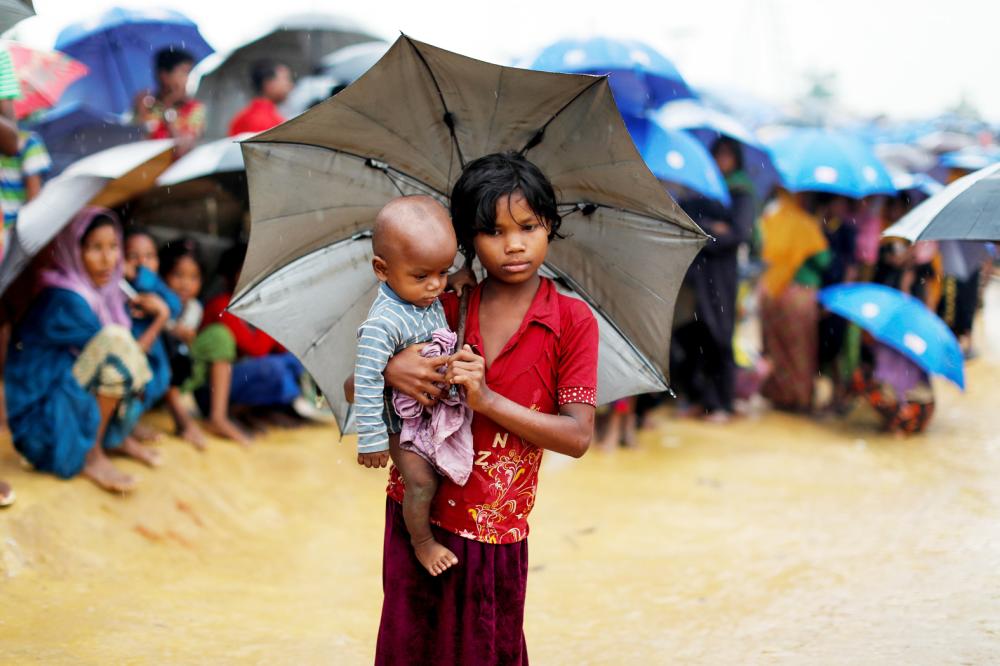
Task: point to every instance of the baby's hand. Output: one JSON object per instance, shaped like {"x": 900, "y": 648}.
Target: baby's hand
{"x": 372, "y": 460}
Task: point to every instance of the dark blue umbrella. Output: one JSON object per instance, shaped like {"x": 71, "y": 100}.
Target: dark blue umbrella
{"x": 822, "y": 160}
{"x": 75, "y": 130}
{"x": 901, "y": 322}
{"x": 118, "y": 47}
{"x": 676, "y": 157}
{"x": 641, "y": 77}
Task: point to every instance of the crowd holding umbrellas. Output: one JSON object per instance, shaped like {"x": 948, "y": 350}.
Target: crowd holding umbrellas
{"x": 622, "y": 134}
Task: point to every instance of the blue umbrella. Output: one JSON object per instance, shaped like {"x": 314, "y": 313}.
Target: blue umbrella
{"x": 75, "y": 130}
{"x": 641, "y": 77}
{"x": 709, "y": 125}
{"x": 676, "y": 157}
{"x": 821, "y": 160}
{"x": 902, "y": 322}
{"x": 119, "y": 46}
{"x": 970, "y": 159}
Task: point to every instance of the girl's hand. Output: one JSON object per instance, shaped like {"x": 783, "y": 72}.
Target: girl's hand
{"x": 184, "y": 334}
{"x": 461, "y": 280}
{"x": 414, "y": 375}
{"x": 468, "y": 370}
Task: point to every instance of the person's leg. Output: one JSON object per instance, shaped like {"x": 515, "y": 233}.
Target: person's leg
{"x": 220, "y": 383}
{"x": 421, "y": 483}
{"x": 98, "y": 467}
{"x": 4, "y": 341}
{"x": 186, "y": 427}
{"x": 7, "y": 495}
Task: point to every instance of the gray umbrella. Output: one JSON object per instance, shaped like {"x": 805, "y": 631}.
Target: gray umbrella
{"x": 299, "y": 41}
{"x": 968, "y": 209}
{"x": 407, "y": 126}
{"x": 14, "y": 11}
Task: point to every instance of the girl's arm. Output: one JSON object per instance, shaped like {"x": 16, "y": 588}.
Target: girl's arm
{"x": 568, "y": 432}
{"x": 154, "y": 306}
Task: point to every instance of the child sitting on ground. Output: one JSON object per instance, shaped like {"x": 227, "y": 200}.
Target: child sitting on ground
{"x": 414, "y": 245}
{"x": 181, "y": 270}
{"x": 142, "y": 266}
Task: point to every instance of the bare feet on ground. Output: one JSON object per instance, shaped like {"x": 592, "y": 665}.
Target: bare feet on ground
{"x": 718, "y": 417}
{"x": 226, "y": 429}
{"x": 108, "y": 477}
{"x": 135, "y": 450}
{"x": 192, "y": 433}
{"x": 436, "y": 558}
{"x": 145, "y": 434}
{"x": 7, "y": 495}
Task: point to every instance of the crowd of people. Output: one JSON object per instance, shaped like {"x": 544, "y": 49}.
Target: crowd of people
{"x": 772, "y": 253}
{"x": 115, "y": 326}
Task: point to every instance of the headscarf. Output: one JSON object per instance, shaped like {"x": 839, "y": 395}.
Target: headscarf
{"x": 66, "y": 269}
{"x": 790, "y": 237}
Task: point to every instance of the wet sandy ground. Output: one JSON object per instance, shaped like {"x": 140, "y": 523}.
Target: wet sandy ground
{"x": 772, "y": 540}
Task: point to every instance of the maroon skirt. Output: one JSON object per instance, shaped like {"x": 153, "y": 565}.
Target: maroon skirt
{"x": 471, "y": 614}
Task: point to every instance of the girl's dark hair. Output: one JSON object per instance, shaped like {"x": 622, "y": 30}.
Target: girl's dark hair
{"x": 734, "y": 148}
{"x": 170, "y": 58}
{"x": 99, "y": 221}
{"x": 173, "y": 251}
{"x": 231, "y": 263}
{"x": 484, "y": 182}
{"x": 133, "y": 231}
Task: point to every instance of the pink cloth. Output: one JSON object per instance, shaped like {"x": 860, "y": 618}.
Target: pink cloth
{"x": 442, "y": 436}
{"x": 869, "y": 237}
{"x": 66, "y": 269}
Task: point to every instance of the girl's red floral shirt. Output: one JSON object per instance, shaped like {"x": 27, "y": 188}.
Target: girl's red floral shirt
{"x": 550, "y": 361}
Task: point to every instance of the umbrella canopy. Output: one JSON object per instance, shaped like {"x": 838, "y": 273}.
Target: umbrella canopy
{"x": 407, "y": 126}
{"x": 821, "y": 160}
{"x": 107, "y": 179}
{"x": 915, "y": 184}
{"x": 904, "y": 157}
{"x": 968, "y": 209}
{"x": 75, "y": 130}
{"x": 220, "y": 156}
{"x": 973, "y": 158}
{"x": 902, "y": 322}
{"x": 43, "y": 76}
{"x": 13, "y": 11}
{"x": 119, "y": 47}
{"x": 709, "y": 125}
{"x": 641, "y": 77}
{"x": 299, "y": 41}
{"x": 675, "y": 157}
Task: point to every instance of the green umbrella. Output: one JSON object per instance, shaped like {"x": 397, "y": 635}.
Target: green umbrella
{"x": 407, "y": 126}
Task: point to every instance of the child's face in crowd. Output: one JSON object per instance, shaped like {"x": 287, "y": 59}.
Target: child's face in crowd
{"x": 175, "y": 81}
{"x": 185, "y": 279}
{"x": 515, "y": 250}
{"x": 141, "y": 251}
{"x": 101, "y": 253}
{"x": 280, "y": 86}
{"x": 419, "y": 277}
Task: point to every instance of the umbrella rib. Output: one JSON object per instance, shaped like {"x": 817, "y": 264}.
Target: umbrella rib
{"x": 449, "y": 117}
{"x": 539, "y": 134}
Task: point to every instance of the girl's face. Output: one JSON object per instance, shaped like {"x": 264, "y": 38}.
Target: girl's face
{"x": 141, "y": 251}
{"x": 101, "y": 253}
{"x": 185, "y": 279}
{"x": 515, "y": 250}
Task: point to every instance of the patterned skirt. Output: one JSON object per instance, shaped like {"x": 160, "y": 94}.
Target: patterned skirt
{"x": 790, "y": 326}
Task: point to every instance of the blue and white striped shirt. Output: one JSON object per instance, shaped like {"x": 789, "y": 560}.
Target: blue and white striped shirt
{"x": 392, "y": 325}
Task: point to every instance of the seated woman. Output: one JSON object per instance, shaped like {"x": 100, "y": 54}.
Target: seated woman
{"x": 73, "y": 361}
{"x": 251, "y": 371}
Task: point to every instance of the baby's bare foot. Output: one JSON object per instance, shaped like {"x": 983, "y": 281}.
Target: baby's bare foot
{"x": 192, "y": 433}
{"x": 147, "y": 455}
{"x": 436, "y": 558}
{"x": 107, "y": 476}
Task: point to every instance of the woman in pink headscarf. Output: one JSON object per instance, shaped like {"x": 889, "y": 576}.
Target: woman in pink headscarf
{"x": 74, "y": 372}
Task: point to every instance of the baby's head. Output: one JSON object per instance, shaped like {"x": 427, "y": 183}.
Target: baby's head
{"x": 415, "y": 246}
